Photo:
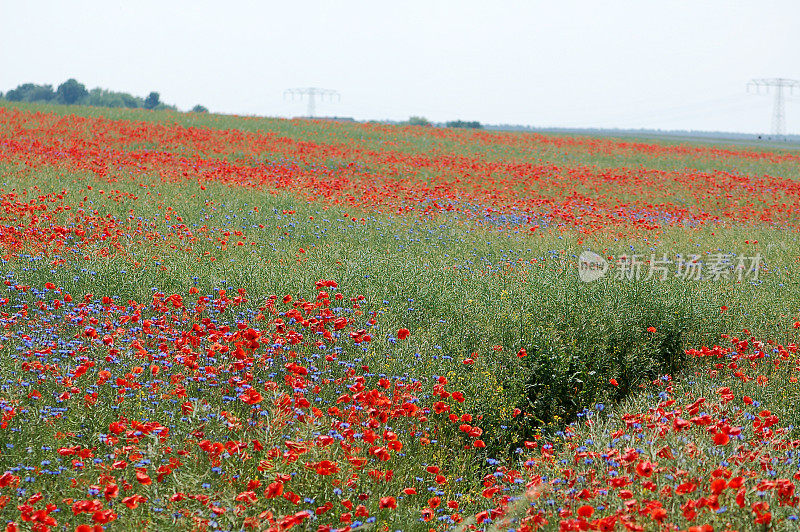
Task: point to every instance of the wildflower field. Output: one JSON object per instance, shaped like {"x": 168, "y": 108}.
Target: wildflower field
{"x": 225, "y": 323}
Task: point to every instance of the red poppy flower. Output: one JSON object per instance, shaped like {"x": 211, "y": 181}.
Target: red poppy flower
{"x": 251, "y": 396}
{"x": 275, "y": 489}
{"x": 387, "y": 502}
{"x": 644, "y": 468}
{"x": 143, "y": 478}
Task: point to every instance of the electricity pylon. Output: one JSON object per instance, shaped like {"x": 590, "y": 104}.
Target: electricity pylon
{"x": 311, "y": 93}
{"x": 779, "y": 109}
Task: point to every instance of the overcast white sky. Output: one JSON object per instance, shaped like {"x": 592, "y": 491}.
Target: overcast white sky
{"x": 666, "y": 64}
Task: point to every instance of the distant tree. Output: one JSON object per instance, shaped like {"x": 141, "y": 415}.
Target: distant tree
{"x": 104, "y": 98}
{"x": 71, "y": 92}
{"x": 199, "y": 109}
{"x": 15, "y": 95}
{"x": 131, "y": 102}
{"x": 30, "y": 92}
{"x": 463, "y": 124}
{"x": 418, "y": 121}
{"x": 152, "y": 100}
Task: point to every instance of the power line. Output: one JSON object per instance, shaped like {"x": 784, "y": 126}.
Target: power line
{"x": 779, "y": 108}
{"x": 672, "y": 113}
{"x": 312, "y": 93}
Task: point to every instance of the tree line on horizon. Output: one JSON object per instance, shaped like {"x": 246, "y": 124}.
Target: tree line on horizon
{"x": 422, "y": 121}
{"x": 72, "y": 92}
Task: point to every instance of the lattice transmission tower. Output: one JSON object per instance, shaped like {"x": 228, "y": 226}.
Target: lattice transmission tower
{"x": 779, "y": 108}
{"x": 312, "y": 93}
